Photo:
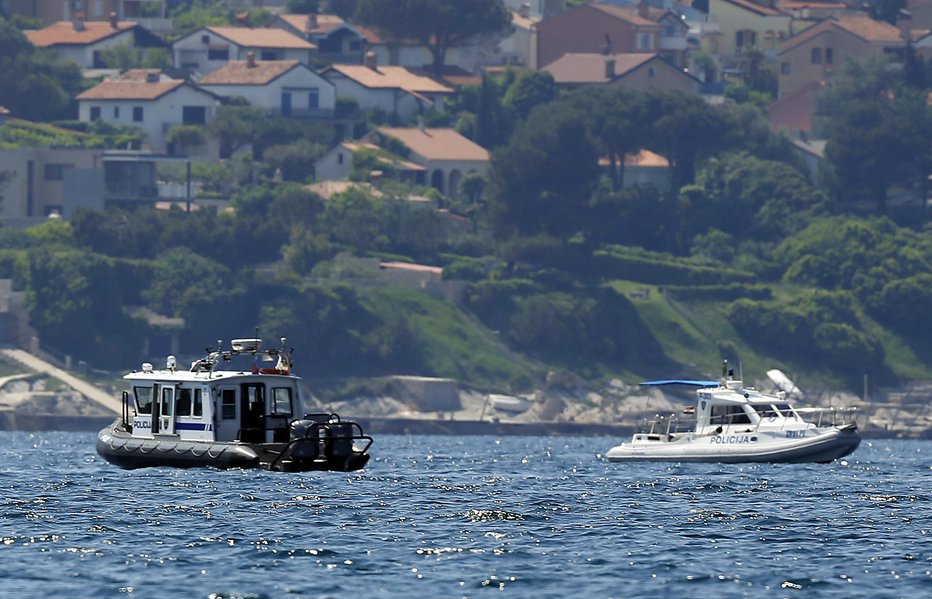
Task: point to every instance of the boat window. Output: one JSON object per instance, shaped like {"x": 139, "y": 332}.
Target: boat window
{"x": 785, "y": 409}
{"x": 168, "y": 395}
{"x": 729, "y": 414}
{"x": 228, "y": 408}
{"x": 198, "y": 403}
{"x": 281, "y": 401}
{"x": 183, "y": 405}
{"x": 143, "y": 399}
{"x": 767, "y": 411}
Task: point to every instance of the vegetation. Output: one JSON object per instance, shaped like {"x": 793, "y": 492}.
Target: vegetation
{"x": 554, "y": 258}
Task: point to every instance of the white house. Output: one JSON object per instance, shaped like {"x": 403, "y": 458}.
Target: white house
{"x": 392, "y": 90}
{"x": 444, "y": 153}
{"x": 83, "y": 42}
{"x": 207, "y": 49}
{"x": 337, "y": 164}
{"x": 336, "y": 40}
{"x": 282, "y": 87}
{"x": 147, "y": 99}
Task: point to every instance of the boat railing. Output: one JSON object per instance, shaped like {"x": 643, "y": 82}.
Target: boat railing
{"x": 830, "y": 415}
{"x": 667, "y": 425}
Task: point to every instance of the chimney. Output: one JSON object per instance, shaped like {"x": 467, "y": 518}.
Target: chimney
{"x": 904, "y": 20}
{"x": 77, "y": 21}
{"x": 610, "y": 69}
{"x": 312, "y": 22}
{"x": 114, "y": 20}
{"x": 152, "y": 76}
{"x": 371, "y": 61}
{"x": 250, "y": 60}
{"x": 242, "y": 19}
{"x": 643, "y": 9}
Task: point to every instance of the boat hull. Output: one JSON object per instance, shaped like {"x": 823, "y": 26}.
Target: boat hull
{"x": 825, "y": 447}
{"x": 116, "y": 445}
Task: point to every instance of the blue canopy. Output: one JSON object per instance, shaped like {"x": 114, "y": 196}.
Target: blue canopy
{"x": 682, "y": 382}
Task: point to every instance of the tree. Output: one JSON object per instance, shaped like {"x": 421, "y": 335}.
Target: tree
{"x": 438, "y": 24}
{"x": 303, "y": 7}
{"x": 878, "y": 132}
{"x": 529, "y": 89}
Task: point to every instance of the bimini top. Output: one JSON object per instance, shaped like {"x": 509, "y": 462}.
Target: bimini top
{"x": 683, "y": 382}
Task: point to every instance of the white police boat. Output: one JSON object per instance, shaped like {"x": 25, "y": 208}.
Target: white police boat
{"x": 228, "y": 418}
{"x": 734, "y": 423}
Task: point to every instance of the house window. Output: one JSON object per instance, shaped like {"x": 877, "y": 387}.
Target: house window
{"x": 268, "y": 55}
{"x": 784, "y": 68}
{"x": 137, "y": 114}
{"x": 95, "y": 113}
{"x": 54, "y": 172}
{"x": 340, "y": 158}
{"x": 644, "y": 41}
{"x": 313, "y": 99}
{"x": 116, "y": 112}
{"x": 218, "y": 54}
{"x": 194, "y": 115}
{"x": 817, "y": 56}
{"x": 828, "y": 56}
{"x": 651, "y": 72}
{"x": 745, "y": 38}
{"x": 205, "y": 39}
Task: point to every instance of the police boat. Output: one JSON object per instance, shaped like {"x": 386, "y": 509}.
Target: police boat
{"x": 732, "y": 423}
{"x": 217, "y": 415}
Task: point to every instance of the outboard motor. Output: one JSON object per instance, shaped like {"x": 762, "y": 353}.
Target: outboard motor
{"x": 301, "y": 430}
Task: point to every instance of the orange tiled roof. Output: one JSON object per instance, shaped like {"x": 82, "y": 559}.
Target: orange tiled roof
{"x": 262, "y": 37}
{"x": 859, "y": 25}
{"x": 238, "y": 72}
{"x": 388, "y": 159}
{"x": 626, "y": 13}
{"x": 590, "y": 68}
{"x": 132, "y": 85}
{"x": 63, "y": 33}
{"x": 757, "y": 8}
{"x": 437, "y": 144}
{"x": 325, "y": 23}
{"x": 391, "y": 77}
{"x": 374, "y": 38}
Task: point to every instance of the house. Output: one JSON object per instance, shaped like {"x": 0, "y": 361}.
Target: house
{"x": 390, "y": 89}
{"x": 337, "y": 165}
{"x": 812, "y": 153}
{"x": 793, "y": 112}
{"x": 920, "y": 12}
{"x": 282, "y": 87}
{"x": 207, "y": 49}
{"x": 812, "y": 56}
{"x": 644, "y": 169}
{"x": 39, "y": 180}
{"x": 147, "y": 99}
{"x": 638, "y": 71}
{"x": 518, "y": 45}
{"x": 744, "y": 25}
{"x": 84, "y": 42}
{"x": 51, "y": 11}
{"x": 603, "y": 28}
{"x": 444, "y": 153}
{"x": 336, "y": 40}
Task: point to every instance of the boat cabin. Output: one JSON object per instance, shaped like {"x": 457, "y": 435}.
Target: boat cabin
{"x": 734, "y": 408}
{"x": 207, "y": 404}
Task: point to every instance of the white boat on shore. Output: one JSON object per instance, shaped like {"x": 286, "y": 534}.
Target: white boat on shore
{"x": 734, "y": 423}
{"x": 228, "y": 418}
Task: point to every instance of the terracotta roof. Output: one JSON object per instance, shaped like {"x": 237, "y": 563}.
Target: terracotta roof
{"x": 132, "y": 85}
{"x": 383, "y": 156}
{"x": 756, "y": 8}
{"x": 391, "y": 77}
{"x": 437, "y": 144}
{"x": 325, "y": 23}
{"x": 374, "y": 38}
{"x": 64, "y": 33}
{"x": 643, "y": 158}
{"x": 591, "y": 68}
{"x": 858, "y": 25}
{"x": 523, "y": 22}
{"x": 786, "y": 5}
{"x": 625, "y": 13}
{"x": 794, "y": 112}
{"x": 409, "y": 266}
{"x": 238, "y": 72}
{"x": 262, "y": 37}
{"x": 452, "y": 75}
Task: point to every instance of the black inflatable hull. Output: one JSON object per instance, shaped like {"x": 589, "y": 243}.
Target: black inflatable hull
{"x": 120, "y": 448}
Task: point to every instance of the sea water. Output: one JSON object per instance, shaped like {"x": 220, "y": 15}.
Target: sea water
{"x": 444, "y": 516}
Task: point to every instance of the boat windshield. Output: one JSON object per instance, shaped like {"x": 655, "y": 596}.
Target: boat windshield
{"x": 143, "y": 399}
{"x": 729, "y": 414}
{"x": 785, "y": 409}
{"x": 766, "y": 410}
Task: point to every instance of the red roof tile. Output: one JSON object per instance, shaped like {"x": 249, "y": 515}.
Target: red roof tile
{"x": 238, "y": 72}
{"x": 132, "y": 85}
{"x": 262, "y": 37}
{"x": 64, "y": 33}
{"x": 592, "y": 68}
{"x": 391, "y": 77}
{"x": 437, "y": 144}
